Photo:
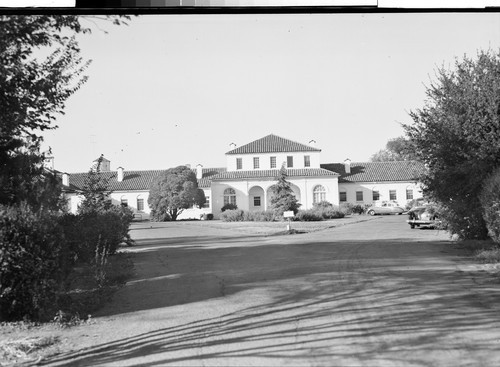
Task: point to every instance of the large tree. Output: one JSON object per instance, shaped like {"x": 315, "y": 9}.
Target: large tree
{"x": 40, "y": 68}
{"x": 397, "y": 149}
{"x": 282, "y": 197}
{"x": 457, "y": 135}
{"x": 175, "y": 190}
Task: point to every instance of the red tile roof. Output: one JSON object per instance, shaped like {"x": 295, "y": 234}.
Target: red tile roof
{"x": 378, "y": 171}
{"x": 272, "y": 144}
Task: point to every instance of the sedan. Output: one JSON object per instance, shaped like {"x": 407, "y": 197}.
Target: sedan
{"x": 385, "y": 207}
{"x": 423, "y": 216}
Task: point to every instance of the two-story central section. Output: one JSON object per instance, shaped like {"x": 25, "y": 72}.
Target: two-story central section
{"x": 252, "y": 170}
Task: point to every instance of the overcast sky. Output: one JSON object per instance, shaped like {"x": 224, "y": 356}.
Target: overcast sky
{"x": 178, "y": 89}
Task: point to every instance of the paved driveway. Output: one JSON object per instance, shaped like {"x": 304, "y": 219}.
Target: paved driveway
{"x": 368, "y": 294}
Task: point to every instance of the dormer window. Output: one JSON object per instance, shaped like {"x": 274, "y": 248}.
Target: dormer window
{"x": 239, "y": 163}
{"x": 255, "y": 162}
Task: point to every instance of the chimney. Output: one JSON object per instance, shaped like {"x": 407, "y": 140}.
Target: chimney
{"x": 312, "y": 143}
{"x": 199, "y": 171}
{"x": 65, "y": 179}
{"x": 120, "y": 174}
{"x": 232, "y": 146}
{"x": 347, "y": 165}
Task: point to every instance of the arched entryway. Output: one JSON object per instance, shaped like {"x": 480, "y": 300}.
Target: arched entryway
{"x": 256, "y": 199}
{"x": 295, "y": 189}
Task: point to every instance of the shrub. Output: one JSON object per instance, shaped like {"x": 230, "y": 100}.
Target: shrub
{"x": 33, "y": 262}
{"x": 327, "y": 210}
{"x": 259, "y": 216}
{"x": 490, "y": 201}
{"x": 347, "y": 208}
{"x": 228, "y": 207}
{"x": 207, "y": 216}
{"x": 309, "y": 215}
{"x": 159, "y": 216}
{"x": 235, "y": 215}
{"x": 358, "y": 209}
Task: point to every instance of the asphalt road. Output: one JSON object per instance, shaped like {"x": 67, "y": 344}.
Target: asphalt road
{"x": 368, "y": 294}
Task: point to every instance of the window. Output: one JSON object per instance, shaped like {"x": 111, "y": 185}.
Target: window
{"x": 392, "y": 195}
{"x": 376, "y": 195}
{"x": 307, "y": 161}
{"x": 319, "y": 194}
{"x": 273, "y": 162}
{"x": 289, "y": 161}
{"x": 343, "y": 196}
{"x": 140, "y": 204}
{"x": 256, "y": 201}
{"x": 409, "y": 194}
{"x": 124, "y": 201}
{"x": 229, "y": 196}
{"x": 207, "y": 202}
{"x": 255, "y": 162}
{"x": 359, "y": 196}
{"x": 239, "y": 163}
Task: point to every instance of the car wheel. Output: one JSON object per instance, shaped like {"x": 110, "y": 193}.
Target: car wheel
{"x": 371, "y": 212}
{"x": 412, "y": 226}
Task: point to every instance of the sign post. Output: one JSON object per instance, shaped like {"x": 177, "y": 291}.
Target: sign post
{"x": 289, "y": 215}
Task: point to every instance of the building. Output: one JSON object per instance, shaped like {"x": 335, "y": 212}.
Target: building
{"x": 253, "y": 168}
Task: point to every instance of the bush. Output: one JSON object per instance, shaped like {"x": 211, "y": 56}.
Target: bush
{"x": 490, "y": 201}
{"x": 327, "y": 210}
{"x": 33, "y": 262}
{"x": 346, "y": 208}
{"x": 309, "y": 215}
{"x": 358, "y": 209}
{"x": 157, "y": 216}
{"x": 235, "y": 215}
{"x": 228, "y": 207}
{"x": 259, "y": 216}
{"x": 207, "y": 216}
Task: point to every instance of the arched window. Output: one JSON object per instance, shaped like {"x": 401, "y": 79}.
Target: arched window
{"x": 229, "y": 196}
{"x": 319, "y": 194}
{"x": 124, "y": 200}
{"x": 140, "y": 203}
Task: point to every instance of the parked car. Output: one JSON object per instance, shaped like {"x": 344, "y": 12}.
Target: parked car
{"x": 423, "y": 216}
{"x": 385, "y": 207}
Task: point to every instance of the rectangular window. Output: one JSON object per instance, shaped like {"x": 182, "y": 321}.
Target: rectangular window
{"x": 392, "y": 195}
{"x": 289, "y": 161}
{"x": 273, "y": 162}
{"x": 255, "y": 162}
{"x": 409, "y": 194}
{"x": 359, "y": 196}
{"x": 307, "y": 161}
{"x": 343, "y": 196}
{"x": 256, "y": 201}
{"x": 239, "y": 163}
{"x": 140, "y": 205}
{"x": 376, "y": 195}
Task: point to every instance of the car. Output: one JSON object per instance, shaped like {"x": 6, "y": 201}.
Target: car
{"x": 385, "y": 207}
{"x": 423, "y": 216}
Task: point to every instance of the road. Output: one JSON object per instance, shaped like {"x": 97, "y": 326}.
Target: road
{"x": 368, "y": 294}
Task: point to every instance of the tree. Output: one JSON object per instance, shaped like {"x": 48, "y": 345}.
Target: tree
{"x": 457, "y": 135}
{"x": 174, "y": 191}
{"x": 282, "y": 196}
{"x": 95, "y": 191}
{"x": 397, "y": 149}
{"x": 34, "y": 91}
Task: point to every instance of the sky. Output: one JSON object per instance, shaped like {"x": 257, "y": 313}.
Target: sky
{"x": 168, "y": 90}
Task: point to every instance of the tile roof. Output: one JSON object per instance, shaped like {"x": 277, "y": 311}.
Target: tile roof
{"x": 272, "y": 144}
{"x": 273, "y": 173}
{"x": 378, "y": 171}
{"x": 137, "y": 180}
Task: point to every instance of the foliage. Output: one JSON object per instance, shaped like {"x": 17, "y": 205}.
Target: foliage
{"x": 327, "y": 210}
{"x": 358, "y": 209}
{"x": 282, "y": 197}
{"x": 397, "y": 149}
{"x": 95, "y": 191}
{"x": 457, "y": 135}
{"x": 232, "y": 215}
{"x": 490, "y": 201}
{"x": 346, "y": 208}
{"x": 174, "y": 191}
{"x": 309, "y": 215}
{"x": 33, "y": 262}
{"x": 260, "y": 216}
{"x": 207, "y": 216}
{"x": 229, "y": 207}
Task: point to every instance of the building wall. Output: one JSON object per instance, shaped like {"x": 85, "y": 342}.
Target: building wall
{"x": 265, "y": 161}
{"x": 383, "y": 188}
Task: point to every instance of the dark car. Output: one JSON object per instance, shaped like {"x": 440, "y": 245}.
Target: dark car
{"x": 423, "y": 216}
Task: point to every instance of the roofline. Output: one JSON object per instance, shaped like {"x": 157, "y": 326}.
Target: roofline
{"x": 285, "y": 151}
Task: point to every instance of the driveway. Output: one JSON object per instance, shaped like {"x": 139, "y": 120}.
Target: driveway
{"x": 375, "y": 293}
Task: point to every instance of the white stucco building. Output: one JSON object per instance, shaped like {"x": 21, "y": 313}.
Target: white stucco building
{"x": 253, "y": 168}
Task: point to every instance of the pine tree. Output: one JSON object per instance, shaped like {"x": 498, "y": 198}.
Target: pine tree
{"x": 282, "y": 197}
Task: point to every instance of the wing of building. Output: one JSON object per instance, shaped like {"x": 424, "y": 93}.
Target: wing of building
{"x": 253, "y": 168}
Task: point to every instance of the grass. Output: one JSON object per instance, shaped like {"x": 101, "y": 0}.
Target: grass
{"x": 485, "y": 251}
{"x": 24, "y": 351}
